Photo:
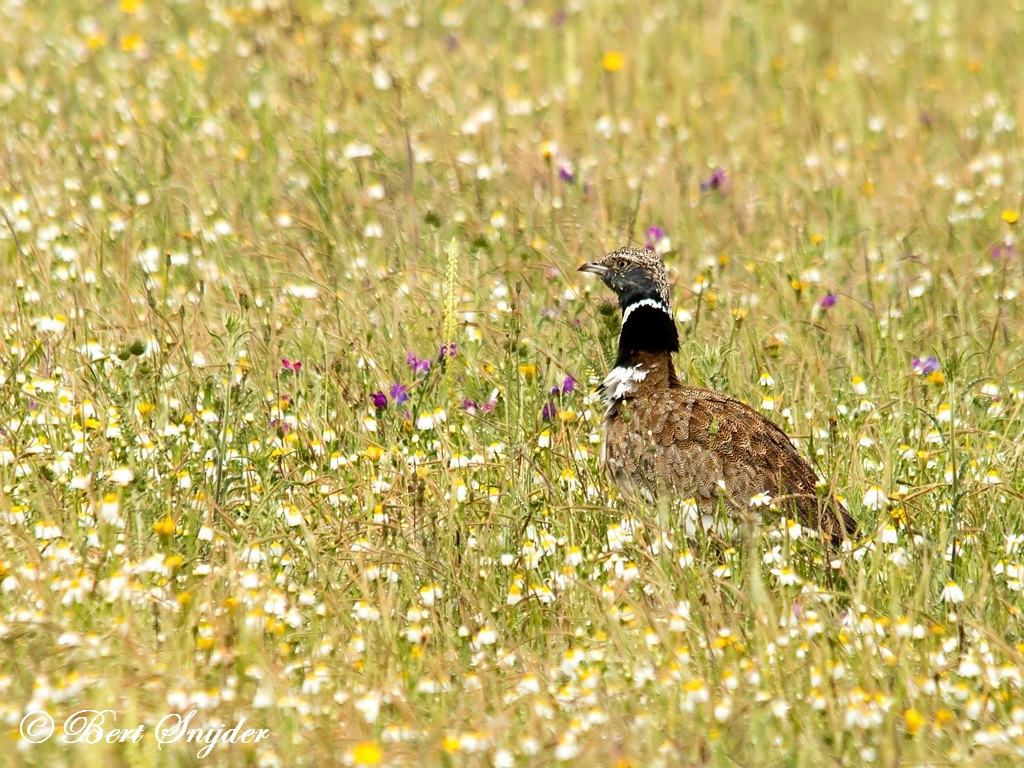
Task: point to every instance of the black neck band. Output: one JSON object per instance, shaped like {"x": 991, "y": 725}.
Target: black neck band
{"x": 647, "y": 327}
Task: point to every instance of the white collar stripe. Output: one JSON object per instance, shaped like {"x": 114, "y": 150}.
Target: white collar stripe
{"x": 644, "y": 303}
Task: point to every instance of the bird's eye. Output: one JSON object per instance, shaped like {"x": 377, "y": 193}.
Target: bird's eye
{"x": 621, "y": 264}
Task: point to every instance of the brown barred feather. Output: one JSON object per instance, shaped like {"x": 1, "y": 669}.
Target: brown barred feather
{"x": 663, "y": 438}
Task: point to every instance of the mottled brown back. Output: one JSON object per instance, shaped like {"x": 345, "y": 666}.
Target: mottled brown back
{"x": 667, "y": 438}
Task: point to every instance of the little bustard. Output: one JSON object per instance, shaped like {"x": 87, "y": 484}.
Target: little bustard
{"x": 666, "y": 439}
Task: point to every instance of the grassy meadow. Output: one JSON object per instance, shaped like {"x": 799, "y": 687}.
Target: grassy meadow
{"x": 298, "y": 418}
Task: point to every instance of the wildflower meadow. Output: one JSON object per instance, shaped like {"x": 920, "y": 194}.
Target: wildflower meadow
{"x": 299, "y": 422}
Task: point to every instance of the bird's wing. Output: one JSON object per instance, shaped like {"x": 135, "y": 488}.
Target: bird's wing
{"x": 694, "y": 441}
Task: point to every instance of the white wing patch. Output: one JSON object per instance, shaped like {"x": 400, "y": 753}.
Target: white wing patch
{"x": 619, "y": 382}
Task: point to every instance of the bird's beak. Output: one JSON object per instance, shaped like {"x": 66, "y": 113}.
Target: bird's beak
{"x": 594, "y": 268}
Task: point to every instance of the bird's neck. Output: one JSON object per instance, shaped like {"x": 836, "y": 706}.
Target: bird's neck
{"x": 647, "y": 327}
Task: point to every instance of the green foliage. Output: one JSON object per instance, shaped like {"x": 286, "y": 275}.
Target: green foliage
{"x": 236, "y": 476}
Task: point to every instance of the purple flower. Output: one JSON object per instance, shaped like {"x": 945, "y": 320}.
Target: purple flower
{"x": 447, "y": 350}
{"x": 380, "y": 400}
{"x": 418, "y": 366}
{"x": 468, "y": 405}
{"x": 828, "y": 301}
{"x": 549, "y": 412}
{"x": 654, "y": 234}
{"x": 718, "y": 181}
{"x": 488, "y": 406}
{"x": 926, "y": 366}
{"x": 566, "y": 175}
{"x": 399, "y": 392}
{"x": 1002, "y": 252}
{"x": 293, "y": 366}
{"x": 559, "y": 18}
{"x": 569, "y": 385}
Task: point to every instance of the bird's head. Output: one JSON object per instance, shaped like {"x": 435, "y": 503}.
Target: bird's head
{"x": 634, "y": 274}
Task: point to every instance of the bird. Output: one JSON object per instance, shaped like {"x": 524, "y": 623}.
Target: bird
{"x": 664, "y": 439}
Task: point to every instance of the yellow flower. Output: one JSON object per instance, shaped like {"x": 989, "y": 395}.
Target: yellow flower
{"x": 164, "y": 527}
{"x": 816, "y": 239}
{"x": 367, "y": 753}
{"x": 1010, "y": 216}
{"x": 145, "y": 408}
{"x": 373, "y": 452}
{"x": 451, "y": 744}
{"x": 529, "y": 371}
{"x": 773, "y": 345}
{"x": 130, "y": 6}
{"x": 914, "y": 720}
{"x": 131, "y": 42}
{"x": 613, "y": 61}
{"x": 936, "y": 377}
